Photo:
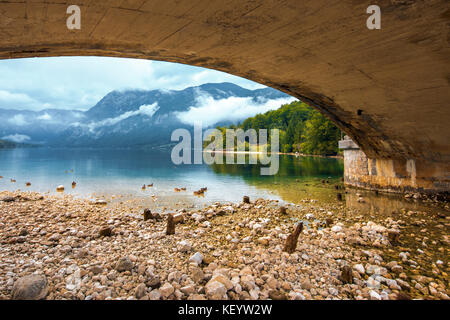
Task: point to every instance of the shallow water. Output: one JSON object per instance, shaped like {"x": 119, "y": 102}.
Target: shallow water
{"x": 310, "y": 182}
{"x": 118, "y": 175}
{"x": 122, "y": 173}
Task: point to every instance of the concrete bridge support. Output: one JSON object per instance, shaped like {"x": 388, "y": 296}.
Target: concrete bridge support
{"x": 394, "y": 175}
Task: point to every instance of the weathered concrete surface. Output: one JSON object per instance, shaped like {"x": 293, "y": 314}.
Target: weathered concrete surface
{"x": 394, "y": 175}
{"x": 317, "y": 50}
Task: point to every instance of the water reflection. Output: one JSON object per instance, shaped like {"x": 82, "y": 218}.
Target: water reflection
{"x": 387, "y": 205}
{"x": 298, "y": 178}
{"x": 290, "y": 167}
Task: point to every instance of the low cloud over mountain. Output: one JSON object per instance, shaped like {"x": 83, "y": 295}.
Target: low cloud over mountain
{"x": 139, "y": 118}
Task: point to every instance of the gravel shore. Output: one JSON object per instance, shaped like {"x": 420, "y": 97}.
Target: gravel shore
{"x": 60, "y": 247}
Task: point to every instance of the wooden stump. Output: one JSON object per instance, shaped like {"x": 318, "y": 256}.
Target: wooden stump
{"x": 246, "y": 199}
{"x": 394, "y": 237}
{"x": 105, "y": 232}
{"x": 339, "y": 196}
{"x": 291, "y": 241}
{"x": 346, "y": 274}
{"x": 329, "y": 222}
{"x": 283, "y": 210}
{"x": 170, "y": 225}
{"x": 147, "y": 214}
{"x": 277, "y": 295}
{"x": 402, "y": 296}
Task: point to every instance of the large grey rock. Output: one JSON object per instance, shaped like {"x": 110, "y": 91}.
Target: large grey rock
{"x": 32, "y": 287}
{"x": 197, "y": 258}
{"x": 141, "y": 290}
{"x": 215, "y": 290}
{"x": 8, "y": 199}
{"x": 124, "y": 264}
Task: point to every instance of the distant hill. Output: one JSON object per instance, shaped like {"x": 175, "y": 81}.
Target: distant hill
{"x": 132, "y": 118}
{"x": 5, "y": 144}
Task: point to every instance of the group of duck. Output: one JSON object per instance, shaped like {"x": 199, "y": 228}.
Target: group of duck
{"x": 196, "y": 193}
{"x": 147, "y": 186}
{"x": 28, "y": 184}
{"x": 200, "y": 192}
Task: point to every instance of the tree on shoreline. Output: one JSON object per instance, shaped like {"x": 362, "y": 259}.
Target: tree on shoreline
{"x": 302, "y": 129}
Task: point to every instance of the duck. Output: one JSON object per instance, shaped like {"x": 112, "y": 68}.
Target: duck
{"x": 150, "y": 185}
{"x": 74, "y": 184}
{"x": 200, "y": 192}
{"x": 28, "y": 184}
{"x": 13, "y": 180}
{"x": 177, "y": 190}
{"x": 143, "y": 187}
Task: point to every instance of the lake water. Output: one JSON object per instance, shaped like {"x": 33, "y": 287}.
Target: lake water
{"x": 120, "y": 174}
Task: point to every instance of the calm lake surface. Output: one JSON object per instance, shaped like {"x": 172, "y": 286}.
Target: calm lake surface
{"x": 121, "y": 173}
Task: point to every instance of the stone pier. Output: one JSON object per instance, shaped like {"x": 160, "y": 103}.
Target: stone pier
{"x": 394, "y": 175}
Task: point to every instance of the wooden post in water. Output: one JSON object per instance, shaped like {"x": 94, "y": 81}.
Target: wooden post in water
{"x": 170, "y": 225}
{"x": 291, "y": 241}
{"x": 147, "y": 214}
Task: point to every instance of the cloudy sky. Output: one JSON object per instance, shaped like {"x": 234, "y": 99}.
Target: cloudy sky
{"x": 80, "y": 82}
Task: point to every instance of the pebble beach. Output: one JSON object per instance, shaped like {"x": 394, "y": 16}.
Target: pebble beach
{"x": 58, "y": 247}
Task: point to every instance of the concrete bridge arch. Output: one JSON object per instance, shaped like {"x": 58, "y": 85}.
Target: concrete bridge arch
{"x": 388, "y": 89}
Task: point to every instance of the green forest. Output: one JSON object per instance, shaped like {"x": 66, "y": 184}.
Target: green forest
{"x": 302, "y": 129}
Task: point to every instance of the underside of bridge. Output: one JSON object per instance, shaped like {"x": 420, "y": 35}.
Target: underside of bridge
{"x": 388, "y": 89}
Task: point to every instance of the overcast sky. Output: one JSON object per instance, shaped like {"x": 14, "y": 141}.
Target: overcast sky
{"x": 80, "y": 82}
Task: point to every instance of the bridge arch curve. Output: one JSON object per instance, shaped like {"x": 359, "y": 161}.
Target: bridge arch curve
{"x": 388, "y": 89}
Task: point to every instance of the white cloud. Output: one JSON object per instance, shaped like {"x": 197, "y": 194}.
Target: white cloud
{"x": 80, "y": 82}
{"x": 210, "y": 111}
{"x": 18, "y": 138}
{"x": 18, "y": 120}
{"x": 15, "y": 100}
{"x": 45, "y": 116}
{"x": 145, "y": 110}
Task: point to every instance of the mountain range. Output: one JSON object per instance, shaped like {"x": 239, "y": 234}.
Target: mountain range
{"x": 138, "y": 118}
